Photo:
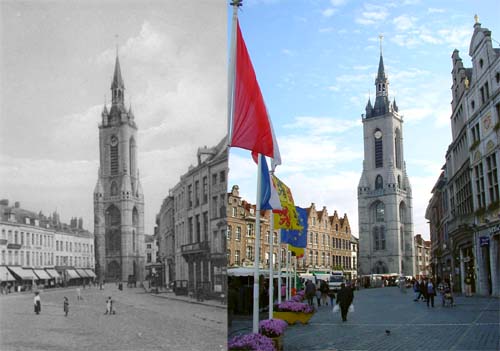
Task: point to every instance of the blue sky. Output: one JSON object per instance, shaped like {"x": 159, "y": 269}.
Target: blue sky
{"x": 316, "y": 62}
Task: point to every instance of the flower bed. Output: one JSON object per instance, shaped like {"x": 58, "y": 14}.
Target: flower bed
{"x": 293, "y": 306}
{"x": 251, "y": 342}
{"x": 272, "y": 327}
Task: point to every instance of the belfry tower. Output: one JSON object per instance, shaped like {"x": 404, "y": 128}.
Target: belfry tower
{"x": 118, "y": 196}
{"x": 384, "y": 190}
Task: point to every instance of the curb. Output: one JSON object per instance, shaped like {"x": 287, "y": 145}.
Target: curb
{"x": 191, "y": 302}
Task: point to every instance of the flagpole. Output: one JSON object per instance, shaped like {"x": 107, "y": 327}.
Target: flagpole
{"x": 231, "y": 68}
{"x": 255, "y": 325}
{"x": 271, "y": 263}
{"x": 287, "y": 273}
{"x": 279, "y": 265}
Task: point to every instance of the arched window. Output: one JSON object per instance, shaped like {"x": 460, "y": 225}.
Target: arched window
{"x": 379, "y": 156}
{"x": 113, "y": 155}
{"x": 376, "y": 240}
{"x": 113, "y": 232}
{"x": 114, "y": 189}
{"x": 397, "y": 148}
{"x": 132, "y": 152}
{"x": 399, "y": 182}
{"x": 382, "y": 237}
{"x": 379, "y": 182}
{"x": 379, "y": 212}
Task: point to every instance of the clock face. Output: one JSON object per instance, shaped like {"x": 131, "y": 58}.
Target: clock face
{"x": 378, "y": 134}
{"x": 114, "y": 140}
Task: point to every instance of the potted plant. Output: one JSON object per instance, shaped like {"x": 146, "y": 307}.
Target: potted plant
{"x": 251, "y": 342}
{"x": 293, "y": 311}
{"x": 274, "y": 329}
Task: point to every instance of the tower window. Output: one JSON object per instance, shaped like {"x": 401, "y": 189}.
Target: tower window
{"x": 114, "y": 155}
{"x": 379, "y": 212}
{"x": 379, "y": 182}
{"x": 397, "y": 148}
{"x": 379, "y": 159}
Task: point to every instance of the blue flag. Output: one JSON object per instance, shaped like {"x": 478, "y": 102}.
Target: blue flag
{"x": 297, "y": 238}
{"x": 269, "y": 199}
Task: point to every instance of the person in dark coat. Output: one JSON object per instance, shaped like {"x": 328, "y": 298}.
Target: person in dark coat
{"x": 344, "y": 299}
{"x": 423, "y": 289}
{"x": 66, "y": 306}
{"x": 310, "y": 292}
{"x": 37, "y": 302}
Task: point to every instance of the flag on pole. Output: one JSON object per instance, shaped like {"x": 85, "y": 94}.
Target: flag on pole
{"x": 296, "y": 251}
{"x": 287, "y": 217}
{"x": 269, "y": 199}
{"x": 297, "y": 238}
{"x": 251, "y": 125}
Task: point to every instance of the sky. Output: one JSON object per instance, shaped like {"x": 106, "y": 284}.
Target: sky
{"x": 56, "y": 66}
{"x": 316, "y": 63}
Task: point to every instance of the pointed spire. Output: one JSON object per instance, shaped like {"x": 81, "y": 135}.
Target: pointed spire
{"x": 394, "y": 106}
{"x": 381, "y": 70}
{"x": 117, "y": 76}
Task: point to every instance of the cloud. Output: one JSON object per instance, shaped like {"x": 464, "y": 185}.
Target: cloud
{"x": 337, "y": 3}
{"x": 404, "y": 22}
{"x": 326, "y": 30}
{"x": 328, "y": 12}
{"x": 435, "y": 10}
{"x": 322, "y": 125}
{"x": 287, "y": 52}
{"x": 372, "y": 14}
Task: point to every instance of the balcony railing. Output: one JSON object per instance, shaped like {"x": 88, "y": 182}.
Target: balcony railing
{"x": 199, "y": 247}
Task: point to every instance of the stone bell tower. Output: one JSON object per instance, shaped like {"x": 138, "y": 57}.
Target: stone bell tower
{"x": 118, "y": 196}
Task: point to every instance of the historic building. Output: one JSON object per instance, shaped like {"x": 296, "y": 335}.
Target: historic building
{"x": 118, "y": 196}
{"x": 328, "y": 238}
{"x": 354, "y": 257}
{"x": 192, "y": 224}
{"x": 41, "y": 249}
{"x": 469, "y": 242}
{"x": 384, "y": 190}
{"x": 422, "y": 256}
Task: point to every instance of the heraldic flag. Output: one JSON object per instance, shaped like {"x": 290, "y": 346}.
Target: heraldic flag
{"x": 287, "y": 217}
{"x": 297, "y": 239}
{"x": 251, "y": 125}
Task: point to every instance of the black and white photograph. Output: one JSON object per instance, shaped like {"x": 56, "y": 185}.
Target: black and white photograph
{"x": 113, "y": 175}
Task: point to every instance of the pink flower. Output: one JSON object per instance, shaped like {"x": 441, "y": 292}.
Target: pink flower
{"x": 272, "y": 327}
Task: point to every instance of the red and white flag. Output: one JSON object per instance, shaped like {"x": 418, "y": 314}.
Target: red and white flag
{"x": 251, "y": 125}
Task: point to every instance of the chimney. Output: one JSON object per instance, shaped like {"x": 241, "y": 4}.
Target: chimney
{"x": 17, "y": 204}
{"x": 80, "y": 223}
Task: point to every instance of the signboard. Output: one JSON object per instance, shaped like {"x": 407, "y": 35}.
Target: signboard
{"x": 484, "y": 240}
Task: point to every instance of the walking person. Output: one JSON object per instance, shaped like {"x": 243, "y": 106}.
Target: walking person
{"x": 323, "y": 287}
{"x": 66, "y": 306}
{"x": 109, "y": 306}
{"x": 468, "y": 285}
{"x": 344, "y": 299}
{"x": 37, "y": 302}
{"x": 78, "y": 294}
{"x": 423, "y": 289}
{"x": 310, "y": 292}
{"x": 431, "y": 292}
{"x": 331, "y": 295}
{"x": 416, "y": 289}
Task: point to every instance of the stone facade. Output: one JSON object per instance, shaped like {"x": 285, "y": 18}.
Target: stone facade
{"x": 328, "y": 238}
{"x": 192, "y": 224}
{"x": 467, "y": 235}
{"x": 384, "y": 191}
{"x": 118, "y": 195}
{"x": 422, "y": 256}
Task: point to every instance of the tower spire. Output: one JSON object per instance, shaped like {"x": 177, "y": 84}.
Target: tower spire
{"x": 117, "y": 86}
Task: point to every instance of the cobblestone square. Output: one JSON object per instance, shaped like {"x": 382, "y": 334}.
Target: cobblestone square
{"x": 473, "y": 324}
{"x": 142, "y": 322}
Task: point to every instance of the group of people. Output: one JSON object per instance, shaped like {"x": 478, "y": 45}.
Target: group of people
{"x": 425, "y": 289}
{"x": 37, "y": 302}
{"x": 322, "y": 293}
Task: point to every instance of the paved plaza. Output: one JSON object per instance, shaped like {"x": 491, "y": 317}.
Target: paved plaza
{"x": 142, "y": 322}
{"x": 473, "y": 324}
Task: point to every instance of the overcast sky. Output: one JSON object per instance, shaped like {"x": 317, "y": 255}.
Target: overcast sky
{"x": 56, "y": 65}
{"x": 316, "y": 62}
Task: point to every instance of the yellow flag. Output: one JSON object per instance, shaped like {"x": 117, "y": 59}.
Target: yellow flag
{"x": 287, "y": 217}
{"x": 296, "y": 251}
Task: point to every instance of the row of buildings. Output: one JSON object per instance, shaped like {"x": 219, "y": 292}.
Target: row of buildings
{"x": 330, "y": 244}
{"x": 39, "y": 249}
{"x": 464, "y": 211}
{"x": 191, "y": 225}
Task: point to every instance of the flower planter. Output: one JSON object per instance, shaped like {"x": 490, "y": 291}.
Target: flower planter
{"x": 293, "y": 317}
{"x": 278, "y": 343}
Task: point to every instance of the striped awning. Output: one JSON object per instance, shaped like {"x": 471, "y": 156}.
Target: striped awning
{"x": 24, "y": 274}
{"x": 90, "y": 273}
{"x": 82, "y": 273}
{"x": 53, "y": 273}
{"x": 41, "y": 274}
{"x": 5, "y": 275}
{"x": 72, "y": 274}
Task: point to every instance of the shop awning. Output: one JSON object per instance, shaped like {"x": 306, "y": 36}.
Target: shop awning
{"x": 90, "y": 273}
{"x": 53, "y": 273}
{"x": 24, "y": 274}
{"x": 82, "y": 273}
{"x": 41, "y": 274}
{"x": 5, "y": 275}
{"x": 72, "y": 274}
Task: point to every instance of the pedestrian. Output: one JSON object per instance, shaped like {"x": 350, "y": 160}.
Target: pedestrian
{"x": 318, "y": 295}
{"x": 423, "y": 289}
{"x": 431, "y": 292}
{"x": 78, "y": 294}
{"x": 416, "y": 289}
{"x": 331, "y": 295}
{"x": 323, "y": 287}
{"x": 344, "y": 299}
{"x": 66, "y": 306}
{"x": 310, "y": 292}
{"x": 37, "y": 302}
{"x": 468, "y": 285}
{"x": 109, "y": 306}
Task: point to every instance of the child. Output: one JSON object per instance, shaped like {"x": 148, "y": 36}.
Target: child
{"x": 66, "y": 306}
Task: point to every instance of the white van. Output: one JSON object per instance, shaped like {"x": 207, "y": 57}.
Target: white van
{"x": 335, "y": 280}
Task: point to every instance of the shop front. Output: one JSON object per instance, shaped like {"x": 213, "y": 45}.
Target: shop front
{"x": 487, "y": 258}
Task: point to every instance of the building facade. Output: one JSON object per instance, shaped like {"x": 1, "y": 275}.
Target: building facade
{"x": 422, "y": 256}
{"x": 328, "y": 239}
{"x": 43, "y": 248}
{"x": 469, "y": 242}
{"x": 192, "y": 224}
{"x": 118, "y": 195}
{"x": 384, "y": 191}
